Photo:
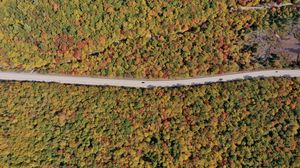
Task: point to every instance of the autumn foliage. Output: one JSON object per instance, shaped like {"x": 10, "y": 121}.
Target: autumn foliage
{"x": 236, "y": 124}
{"x": 141, "y": 39}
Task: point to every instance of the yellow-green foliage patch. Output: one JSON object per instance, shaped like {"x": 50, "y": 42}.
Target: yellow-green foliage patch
{"x": 235, "y": 124}
{"x": 135, "y": 38}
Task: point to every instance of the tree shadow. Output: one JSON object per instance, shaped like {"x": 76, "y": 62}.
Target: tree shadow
{"x": 297, "y": 51}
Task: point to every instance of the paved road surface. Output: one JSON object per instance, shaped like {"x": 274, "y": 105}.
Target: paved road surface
{"x": 79, "y": 80}
{"x": 267, "y": 6}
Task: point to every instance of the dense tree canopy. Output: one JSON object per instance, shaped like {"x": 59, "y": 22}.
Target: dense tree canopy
{"x": 155, "y": 39}
{"x": 237, "y": 124}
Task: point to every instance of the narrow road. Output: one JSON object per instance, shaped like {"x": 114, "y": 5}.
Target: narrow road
{"x": 267, "y": 6}
{"x": 101, "y": 81}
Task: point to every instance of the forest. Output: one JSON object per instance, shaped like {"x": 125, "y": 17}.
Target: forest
{"x": 135, "y": 39}
{"x": 251, "y": 123}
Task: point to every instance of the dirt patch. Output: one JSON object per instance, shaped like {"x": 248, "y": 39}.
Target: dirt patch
{"x": 288, "y": 47}
{"x": 283, "y": 44}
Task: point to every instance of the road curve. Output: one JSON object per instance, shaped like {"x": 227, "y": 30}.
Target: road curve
{"x": 100, "y": 81}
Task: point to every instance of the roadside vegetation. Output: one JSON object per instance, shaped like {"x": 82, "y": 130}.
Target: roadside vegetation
{"x": 236, "y": 124}
{"x": 136, "y": 39}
